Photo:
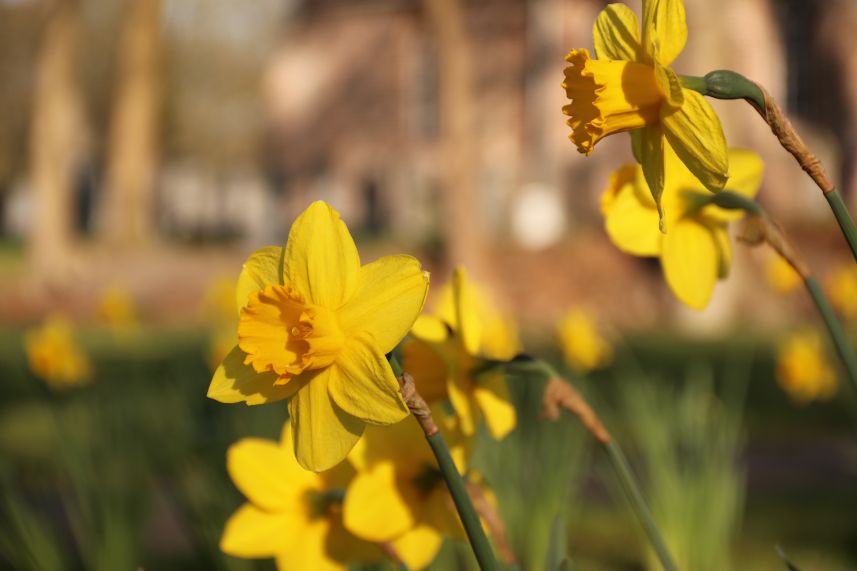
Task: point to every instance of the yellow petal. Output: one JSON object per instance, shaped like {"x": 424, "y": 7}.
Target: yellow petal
{"x": 652, "y": 162}
{"x": 467, "y": 307}
{"x": 403, "y": 443}
{"x": 696, "y": 136}
{"x": 251, "y": 532}
{"x": 374, "y": 507}
{"x": 616, "y": 34}
{"x": 263, "y": 268}
{"x": 745, "y": 177}
{"x": 464, "y": 407}
{"x": 234, "y": 381}
{"x": 268, "y": 474}
{"x": 670, "y": 86}
{"x": 362, "y": 384}
{"x": 387, "y": 301}
{"x": 690, "y": 261}
{"x": 492, "y": 397}
{"x": 664, "y": 29}
{"x": 311, "y": 550}
{"x": 321, "y": 260}
{"x": 631, "y": 223}
{"x": 430, "y": 328}
{"x": 428, "y": 369}
{"x": 418, "y": 547}
{"x": 323, "y": 433}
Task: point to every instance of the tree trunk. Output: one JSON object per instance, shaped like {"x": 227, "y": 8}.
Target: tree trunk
{"x": 57, "y": 142}
{"x": 463, "y": 217}
{"x": 127, "y": 216}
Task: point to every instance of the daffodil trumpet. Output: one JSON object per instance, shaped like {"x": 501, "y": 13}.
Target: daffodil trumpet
{"x": 726, "y": 84}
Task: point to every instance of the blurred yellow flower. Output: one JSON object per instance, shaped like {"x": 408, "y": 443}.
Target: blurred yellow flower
{"x": 451, "y": 346}
{"x": 842, "y": 289}
{"x": 398, "y": 495}
{"x": 583, "y": 347}
{"x": 314, "y": 327}
{"x": 781, "y": 275}
{"x": 292, "y": 515}
{"x": 116, "y": 309}
{"x": 803, "y": 370}
{"x": 55, "y": 356}
{"x": 631, "y": 88}
{"x": 695, "y": 252}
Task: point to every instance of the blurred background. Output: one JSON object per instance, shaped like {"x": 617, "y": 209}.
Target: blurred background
{"x": 148, "y": 146}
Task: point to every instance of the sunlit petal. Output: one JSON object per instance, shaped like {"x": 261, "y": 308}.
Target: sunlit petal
{"x": 321, "y": 260}
{"x": 234, "y": 381}
{"x": 323, "y": 433}
{"x": 616, "y": 34}
{"x": 387, "y": 301}
{"x": 691, "y": 262}
{"x": 362, "y": 384}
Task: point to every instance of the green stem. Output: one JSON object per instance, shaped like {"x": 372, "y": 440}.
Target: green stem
{"x": 638, "y": 504}
{"x": 846, "y": 223}
{"x": 472, "y": 526}
{"x": 837, "y": 334}
{"x": 454, "y": 482}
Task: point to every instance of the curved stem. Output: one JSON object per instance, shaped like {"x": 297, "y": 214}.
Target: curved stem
{"x": 837, "y": 334}
{"x": 725, "y": 84}
{"x": 843, "y": 218}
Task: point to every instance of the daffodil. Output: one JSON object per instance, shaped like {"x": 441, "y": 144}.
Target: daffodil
{"x": 116, "y": 309}
{"x": 582, "y": 345}
{"x": 630, "y": 87}
{"x": 695, "y": 251}
{"x": 803, "y": 370}
{"x": 781, "y": 275}
{"x": 292, "y": 514}
{"x": 55, "y": 356}
{"x": 842, "y": 288}
{"x": 398, "y": 495}
{"x": 450, "y": 348}
{"x": 314, "y": 327}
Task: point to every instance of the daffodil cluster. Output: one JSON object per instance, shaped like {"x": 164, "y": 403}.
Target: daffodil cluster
{"x": 630, "y": 87}
{"x": 314, "y": 327}
{"x": 449, "y": 352}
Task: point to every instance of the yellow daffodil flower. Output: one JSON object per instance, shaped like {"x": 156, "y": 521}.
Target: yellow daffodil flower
{"x": 695, "y": 252}
{"x": 116, "y": 309}
{"x": 449, "y": 348}
{"x": 803, "y": 370}
{"x": 314, "y": 326}
{"x": 630, "y": 87}
{"x": 398, "y": 495}
{"x": 583, "y": 347}
{"x": 781, "y": 275}
{"x": 842, "y": 289}
{"x": 292, "y": 515}
{"x": 55, "y": 356}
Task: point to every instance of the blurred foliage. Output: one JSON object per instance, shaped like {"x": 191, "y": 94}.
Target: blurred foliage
{"x": 129, "y": 471}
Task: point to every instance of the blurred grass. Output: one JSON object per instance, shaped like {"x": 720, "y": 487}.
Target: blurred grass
{"x": 130, "y": 470}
